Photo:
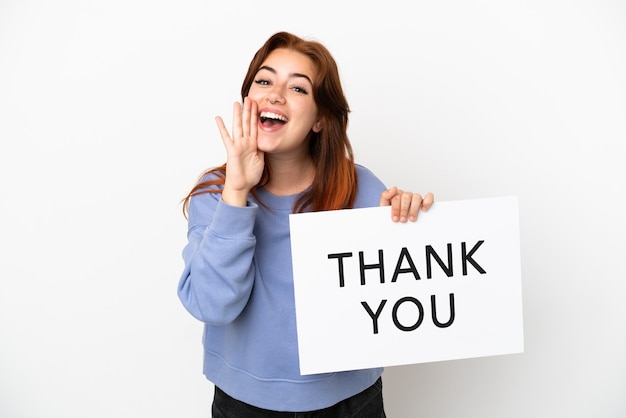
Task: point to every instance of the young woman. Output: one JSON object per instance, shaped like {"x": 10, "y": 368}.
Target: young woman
{"x": 287, "y": 152}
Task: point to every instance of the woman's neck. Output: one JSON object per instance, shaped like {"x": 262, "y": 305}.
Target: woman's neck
{"x": 290, "y": 176}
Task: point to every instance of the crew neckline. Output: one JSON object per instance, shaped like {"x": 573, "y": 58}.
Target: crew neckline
{"x": 277, "y": 202}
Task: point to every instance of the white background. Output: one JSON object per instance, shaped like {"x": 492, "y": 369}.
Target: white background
{"x": 106, "y": 119}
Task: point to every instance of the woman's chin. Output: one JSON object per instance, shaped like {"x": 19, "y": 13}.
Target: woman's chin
{"x": 266, "y": 145}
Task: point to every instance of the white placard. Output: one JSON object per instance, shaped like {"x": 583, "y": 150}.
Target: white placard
{"x": 372, "y": 293}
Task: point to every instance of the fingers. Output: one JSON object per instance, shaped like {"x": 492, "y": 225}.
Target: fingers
{"x": 405, "y": 205}
{"x": 386, "y": 196}
{"x": 400, "y": 202}
{"x": 408, "y": 203}
{"x": 428, "y": 201}
{"x": 254, "y": 120}
{"x": 245, "y": 123}
{"x": 237, "y": 125}
{"x": 413, "y": 206}
{"x": 223, "y": 131}
{"x": 245, "y": 118}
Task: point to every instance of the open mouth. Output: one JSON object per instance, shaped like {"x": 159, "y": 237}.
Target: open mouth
{"x": 271, "y": 119}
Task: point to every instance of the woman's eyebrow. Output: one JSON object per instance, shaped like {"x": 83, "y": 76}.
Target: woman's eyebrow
{"x": 270, "y": 69}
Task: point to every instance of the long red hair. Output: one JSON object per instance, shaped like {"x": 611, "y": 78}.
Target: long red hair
{"x": 335, "y": 182}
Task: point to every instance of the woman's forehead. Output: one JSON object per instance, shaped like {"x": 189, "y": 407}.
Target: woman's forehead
{"x": 289, "y": 62}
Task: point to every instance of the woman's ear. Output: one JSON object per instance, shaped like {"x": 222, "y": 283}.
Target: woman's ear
{"x": 317, "y": 126}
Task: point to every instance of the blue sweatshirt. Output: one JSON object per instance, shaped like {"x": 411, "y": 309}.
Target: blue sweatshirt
{"x": 238, "y": 281}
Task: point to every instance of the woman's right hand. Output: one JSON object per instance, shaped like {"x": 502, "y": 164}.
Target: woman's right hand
{"x": 244, "y": 161}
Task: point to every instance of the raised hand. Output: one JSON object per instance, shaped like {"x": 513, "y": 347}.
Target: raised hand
{"x": 405, "y": 205}
{"x": 244, "y": 161}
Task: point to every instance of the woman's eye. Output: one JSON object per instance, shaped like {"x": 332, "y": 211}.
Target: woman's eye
{"x": 300, "y": 90}
{"x": 262, "y": 82}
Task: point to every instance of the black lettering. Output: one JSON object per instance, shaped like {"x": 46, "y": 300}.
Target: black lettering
{"x": 465, "y": 257}
{"x": 394, "y": 314}
{"x": 434, "y": 312}
{"x": 379, "y": 266}
{"x": 373, "y": 315}
{"x": 430, "y": 252}
{"x": 411, "y": 269}
{"x": 340, "y": 257}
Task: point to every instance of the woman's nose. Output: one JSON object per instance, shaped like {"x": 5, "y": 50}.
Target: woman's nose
{"x": 275, "y": 96}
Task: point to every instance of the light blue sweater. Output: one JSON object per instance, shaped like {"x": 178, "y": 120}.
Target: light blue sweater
{"x": 238, "y": 281}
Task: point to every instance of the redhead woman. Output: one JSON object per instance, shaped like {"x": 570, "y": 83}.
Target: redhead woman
{"x": 287, "y": 152}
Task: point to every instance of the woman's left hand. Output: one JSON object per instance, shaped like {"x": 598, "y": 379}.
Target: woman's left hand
{"x": 405, "y": 205}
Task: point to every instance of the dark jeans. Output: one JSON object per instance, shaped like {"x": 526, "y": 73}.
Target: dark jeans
{"x": 367, "y": 404}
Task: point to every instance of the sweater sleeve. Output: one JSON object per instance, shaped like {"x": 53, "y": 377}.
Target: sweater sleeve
{"x": 370, "y": 188}
{"x": 218, "y": 270}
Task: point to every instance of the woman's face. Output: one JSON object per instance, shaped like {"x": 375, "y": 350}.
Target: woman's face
{"x": 283, "y": 91}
